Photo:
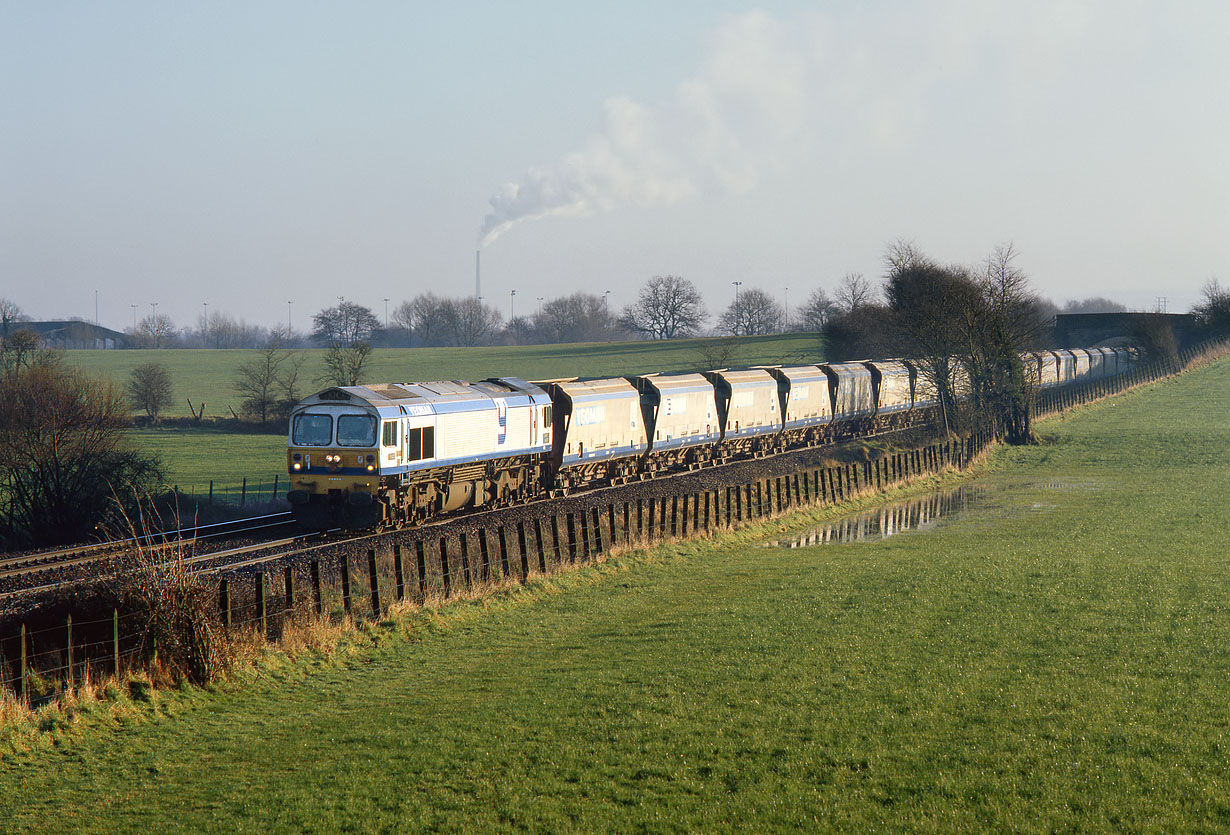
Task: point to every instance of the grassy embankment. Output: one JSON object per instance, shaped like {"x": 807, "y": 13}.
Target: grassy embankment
{"x": 195, "y": 454}
{"x": 1057, "y": 661}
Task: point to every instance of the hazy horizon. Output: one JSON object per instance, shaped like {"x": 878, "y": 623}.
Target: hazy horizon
{"x": 243, "y": 156}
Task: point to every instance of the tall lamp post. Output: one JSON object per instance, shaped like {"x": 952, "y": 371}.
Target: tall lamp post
{"x": 289, "y": 329}
{"x": 512, "y": 296}
{"x": 737, "y": 284}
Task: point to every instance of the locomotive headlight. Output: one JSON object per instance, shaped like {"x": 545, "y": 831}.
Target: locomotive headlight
{"x": 296, "y": 466}
{"x": 371, "y": 468}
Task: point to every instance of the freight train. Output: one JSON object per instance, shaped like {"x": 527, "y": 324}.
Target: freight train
{"x": 396, "y": 454}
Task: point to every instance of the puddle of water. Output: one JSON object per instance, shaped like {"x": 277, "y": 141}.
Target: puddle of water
{"x": 920, "y": 514}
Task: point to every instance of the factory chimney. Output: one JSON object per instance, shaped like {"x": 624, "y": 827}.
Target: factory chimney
{"x": 478, "y": 282}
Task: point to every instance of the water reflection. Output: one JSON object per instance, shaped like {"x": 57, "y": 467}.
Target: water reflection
{"x": 919, "y": 514}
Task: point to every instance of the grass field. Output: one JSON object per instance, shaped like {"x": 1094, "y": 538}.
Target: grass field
{"x": 207, "y": 376}
{"x": 192, "y": 454}
{"x": 1057, "y": 660}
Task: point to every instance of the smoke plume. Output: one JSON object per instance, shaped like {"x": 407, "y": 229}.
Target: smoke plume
{"x": 715, "y": 134}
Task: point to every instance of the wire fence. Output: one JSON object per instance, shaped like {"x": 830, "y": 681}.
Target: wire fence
{"x": 247, "y": 491}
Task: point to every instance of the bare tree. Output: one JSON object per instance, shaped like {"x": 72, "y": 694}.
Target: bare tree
{"x": 10, "y": 314}
{"x": 854, "y": 291}
{"x": 1213, "y": 309}
{"x": 64, "y": 467}
{"x": 581, "y": 317}
{"x": 344, "y": 325}
{"x": 23, "y": 349}
{"x": 268, "y": 383}
{"x": 149, "y": 389}
{"x": 155, "y": 331}
{"x": 425, "y": 317}
{"x": 470, "y": 322}
{"x": 982, "y": 319}
{"x": 667, "y": 306}
{"x": 752, "y": 313}
{"x": 814, "y": 312}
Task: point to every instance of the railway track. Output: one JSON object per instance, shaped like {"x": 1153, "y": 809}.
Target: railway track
{"x": 77, "y": 556}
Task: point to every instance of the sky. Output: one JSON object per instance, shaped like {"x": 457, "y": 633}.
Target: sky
{"x": 266, "y": 158}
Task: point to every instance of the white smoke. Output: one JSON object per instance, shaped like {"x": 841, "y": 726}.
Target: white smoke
{"x": 716, "y": 133}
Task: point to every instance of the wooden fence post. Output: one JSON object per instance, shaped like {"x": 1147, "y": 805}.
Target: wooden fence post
{"x": 25, "y": 686}
{"x": 316, "y": 596}
{"x": 374, "y": 578}
{"x": 557, "y": 547}
{"x": 115, "y": 638}
{"x": 525, "y": 553}
{"x": 69, "y": 645}
{"x": 346, "y": 583}
{"x": 448, "y": 583}
{"x": 465, "y": 558}
{"x": 597, "y": 520}
{"x": 420, "y": 554}
{"x": 290, "y": 589}
{"x": 501, "y": 538}
{"x": 484, "y": 557}
{"x": 542, "y": 552}
{"x": 399, "y": 573}
{"x": 583, "y": 519}
{"x": 259, "y": 583}
{"x": 224, "y": 601}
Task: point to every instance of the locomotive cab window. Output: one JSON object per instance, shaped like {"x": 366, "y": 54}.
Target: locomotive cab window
{"x": 356, "y": 430}
{"x": 312, "y": 430}
{"x": 390, "y": 433}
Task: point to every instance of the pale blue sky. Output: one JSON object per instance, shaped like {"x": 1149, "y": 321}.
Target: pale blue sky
{"x": 245, "y": 154}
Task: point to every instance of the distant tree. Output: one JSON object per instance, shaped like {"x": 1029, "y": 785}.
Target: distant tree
{"x": 344, "y": 325}
{"x": 10, "y": 314}
{"x": 149, "y": 389}
{"x": 520, "y": 330}
{"x": 814, "y": 312}
{"x": 469, "y": 322}
{"x": 268, "y": 384}
{"x": 666, "y": 307}
{"x": 1093, "y": 304}
{"x": 581, "y": 317}
{"x": 65, "y": 469}
{"x": 862, "y": 333}
{"x": 426, "y": 316}
{"x": 155, "y": 331}
{"x": 22, "y": 349}
{"x": 855, "y": 291}
{"x": 752, "y": 313}
{"x": 1214, "y": 310}
{"x": 218, "y": 330}
{"x": 344, "y": 366}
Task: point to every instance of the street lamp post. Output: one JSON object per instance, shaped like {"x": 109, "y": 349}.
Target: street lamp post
{"x": 737, "y": 284}
{"x": 386, "y": 314}
{"x": 786, "y": 310}
{"x": 289, "y": 329}
{"x": 134, "y": 317}
{"x": 540, "y": 304}
{"x": 512, "y": 295}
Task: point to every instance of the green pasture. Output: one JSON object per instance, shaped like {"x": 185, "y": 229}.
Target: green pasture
{"x": 192, "y": 456}
{"x": 208, "y": 376}
{"x": 1057, "y": 660}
